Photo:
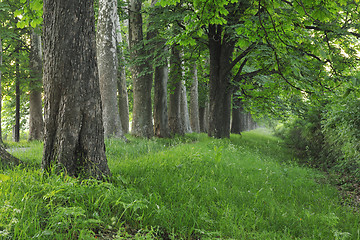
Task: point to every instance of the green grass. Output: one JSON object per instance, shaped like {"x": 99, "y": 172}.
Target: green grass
{"x": 245, "y": 187}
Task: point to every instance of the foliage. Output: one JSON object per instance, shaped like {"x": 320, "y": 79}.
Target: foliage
{"x": 189, "y": 187}
{"x": 341, "y": 128}
{"x": 304, "y": 135}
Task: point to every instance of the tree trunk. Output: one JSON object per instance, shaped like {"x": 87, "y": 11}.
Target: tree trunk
{"x": 1, "y": 53}
{"x": 6, "y": 159}
{"x": 123, "y": 100}
{"x": 142, "y": 125}
{"x": 204, "y": 117}
{"x": 161, "y": 122}
{"x": 16, "y": 133}
{"x": 106, "y": 42}
{"x": 194, "y": 102}
{"x": 201, "y": 119}
{"x": 237, "y": 121}
{"x": 36, "y": 122}
{"x": 220, "y": 85}
{"x": 161, "y": 76}
{"x": 74, "y": 131}
{"x": 175, "y": 79}
{"x": 184, "y": 110}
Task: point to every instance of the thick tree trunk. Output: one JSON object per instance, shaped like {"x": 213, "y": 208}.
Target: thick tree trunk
{"x": 194, "y": 102}
{"x": 142, "y": 125}
{"x": 184, "y": 109}
{"x": 220, "y": 85}
{"x": 237, "y": 120}
{"x": 175, "y": 78}
{"x": 36, "y": 122}
{"x": 123, "y": 100}
{"x": 6, "y": 159}
{"x": 74, "y": 131}
{"x": 161, "y": 122}
{"x": 106, "y": 42}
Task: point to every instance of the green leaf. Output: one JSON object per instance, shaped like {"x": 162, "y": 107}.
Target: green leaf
{"x": 18, "y": 13}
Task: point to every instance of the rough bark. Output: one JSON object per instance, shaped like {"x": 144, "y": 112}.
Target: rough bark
{"x": 36, "y": 122}
{"x": 142, "y": 125}
{"x": 161, "y": 76}
{"x": 220, "y": 91}
{"x": 74, "y": 131}
{"x": 161, "y": 122}
{"x": 123, "y": 100}
{"x": 175, "y": 83}
{"x": 204, "y": 117}
{"x": 6, "y": 159}
{"x": 194, "y": 102}
{"x": 184, "y": 109}
{"x": 237, "y": 119}
{"x": 106, "y": 43}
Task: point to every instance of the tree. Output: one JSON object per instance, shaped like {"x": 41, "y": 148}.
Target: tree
{"x": 159, "y": 53}
{"x": 74, "y": 132}
{"x": 142, "y": 125}
{"x": 1, "y": 57}
{"x": 194, "y": 102}
{"x": 184, "y": 109}
{"x": 36, "y": 122}
{"x": 161, "y": 122}
{"x": 175, "y": 83}
{"x": 123, "y": 100}
{"x": 16, "y": 128}
{"x": 237, "y": 123}
{"x": 108, "y": 66}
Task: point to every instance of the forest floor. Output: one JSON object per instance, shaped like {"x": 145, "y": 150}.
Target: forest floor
{"x": 192, "y": 187}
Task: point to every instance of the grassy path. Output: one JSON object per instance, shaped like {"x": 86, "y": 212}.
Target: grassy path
{"x": 245, "y": 187}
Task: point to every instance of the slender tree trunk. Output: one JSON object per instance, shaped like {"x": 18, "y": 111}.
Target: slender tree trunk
{"x": 1, "y": 53}
{"x": 237, "y": 120}
{"x": 108, "y": 67}
{"x": 74, "y": 131}
{"x": 123, "y": 100}
{"x": 17, "y": 99}
{"x": 243, "y": 125}
{"x": 201, "y": 119}
{"x": 194, "y": 102}
{"x": 220, "y": 87}
{"x": 36, "y": 122}
{"x": 161, "y": 76}
{"x": 6, "y": 158}
{"x": 142, "y": 125}
{"x": 175, "y": 78}
{"x": 184, "y": 109}
{"x": 204, "y": 117}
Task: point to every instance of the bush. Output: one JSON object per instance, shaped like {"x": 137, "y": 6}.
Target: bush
{"x": 304, "y": 135}
{"x": 341, "y": 128}
{"x": 327, "y": 137}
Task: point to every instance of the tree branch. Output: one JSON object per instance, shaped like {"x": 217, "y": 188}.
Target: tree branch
{"x": 238, "y": 58}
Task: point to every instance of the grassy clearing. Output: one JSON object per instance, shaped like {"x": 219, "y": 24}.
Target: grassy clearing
{"x": 186, "y": 188}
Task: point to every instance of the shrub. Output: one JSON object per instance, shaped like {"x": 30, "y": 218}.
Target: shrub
{"x": 341, "y": 128}
{"x": 303, "y": 133}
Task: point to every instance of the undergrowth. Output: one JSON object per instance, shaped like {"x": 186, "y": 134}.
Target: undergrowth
{"x": 193, "y": 187}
